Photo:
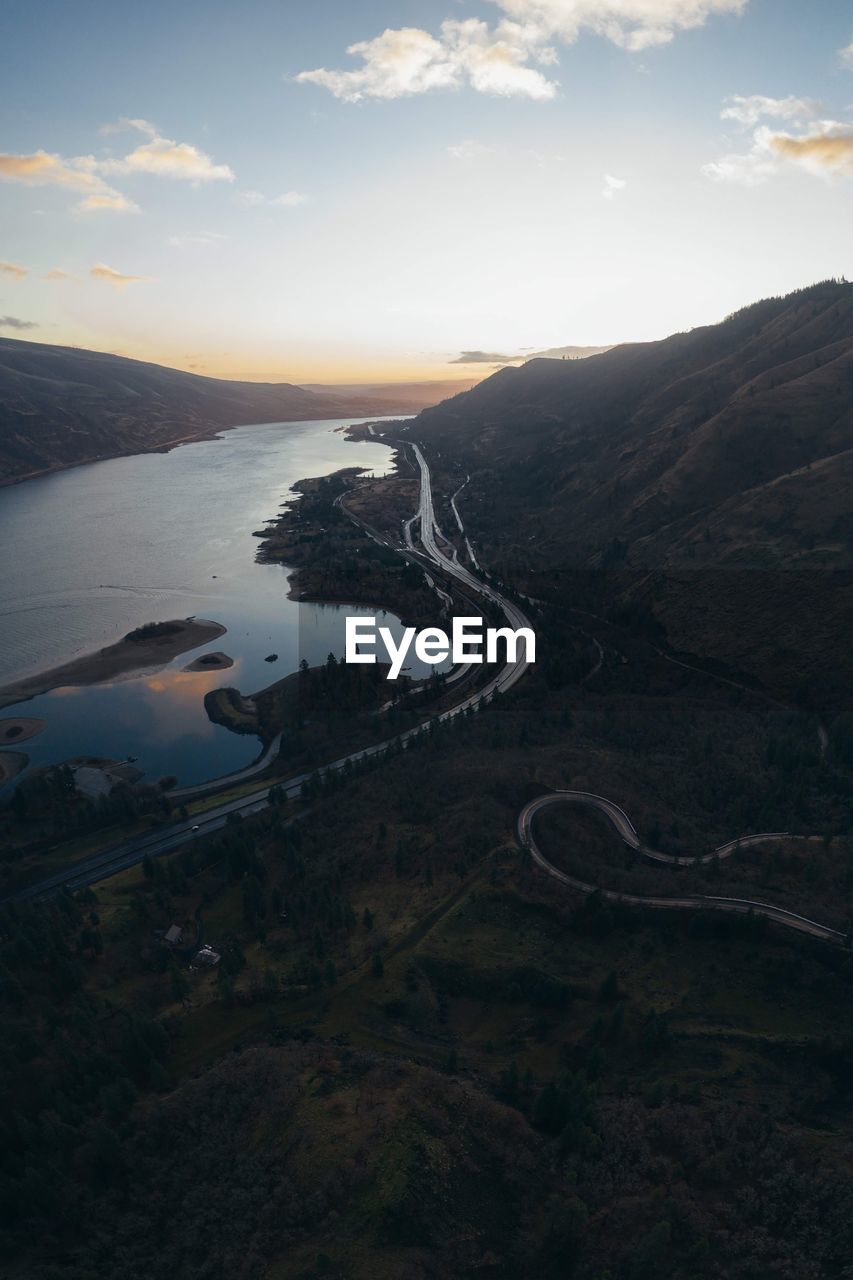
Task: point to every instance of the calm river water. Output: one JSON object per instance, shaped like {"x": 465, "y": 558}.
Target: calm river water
{"x": 91, "y": 553}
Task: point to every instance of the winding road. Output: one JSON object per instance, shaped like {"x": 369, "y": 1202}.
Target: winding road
{"x": 168, "y": 839}
{"x": 625, "y": 828}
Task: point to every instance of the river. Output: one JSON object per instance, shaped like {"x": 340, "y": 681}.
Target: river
{"x": 89, "y": 554}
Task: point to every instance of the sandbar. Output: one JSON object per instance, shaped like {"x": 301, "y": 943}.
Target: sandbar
{"x": 19, "y": 729}
{"x": 210, "y": 662}
{"x": 149, "y": 647}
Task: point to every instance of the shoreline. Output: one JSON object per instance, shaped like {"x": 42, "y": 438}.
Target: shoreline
{"x": 134, "y": 652}
{"x": 11, "y": 764}
{"x": 204, "y": 433}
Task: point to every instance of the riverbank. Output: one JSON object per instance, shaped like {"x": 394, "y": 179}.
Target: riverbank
{"x": 11, "y": 764}
{"x": 147, "y": 648}
{"x": 321, "y": 538}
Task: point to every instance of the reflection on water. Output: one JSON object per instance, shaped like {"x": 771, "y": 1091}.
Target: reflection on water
{"x": 104, "y": 548}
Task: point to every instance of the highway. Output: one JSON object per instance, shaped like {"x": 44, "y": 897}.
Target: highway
{"x": 172, "y": 837}
{"x": 623, "y": 825}
{"x": 119, "y": 857}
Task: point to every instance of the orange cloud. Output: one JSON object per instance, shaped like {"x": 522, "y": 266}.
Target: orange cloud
{"x": 832, "y": 151}
{"x": 117, "y": 279}
{"x": 13, "y": 270}
{"x": 42, "y": 168}
{"x": 117, "y": 203}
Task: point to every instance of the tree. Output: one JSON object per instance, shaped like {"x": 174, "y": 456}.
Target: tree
{"x": 609, "y": 989}
{"x": 180, "y": 985}
{"x": 377, "y": 967}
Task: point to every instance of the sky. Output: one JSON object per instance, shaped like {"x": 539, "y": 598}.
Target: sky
{"x": 362, "y": 190}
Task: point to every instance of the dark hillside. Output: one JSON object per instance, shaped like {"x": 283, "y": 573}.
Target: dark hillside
{"x": 60, "y": 406}
{"x": 691, "y": 465}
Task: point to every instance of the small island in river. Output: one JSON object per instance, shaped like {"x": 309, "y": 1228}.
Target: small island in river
{"x": 148, "y": 647}
{"x": 210, "y": 662}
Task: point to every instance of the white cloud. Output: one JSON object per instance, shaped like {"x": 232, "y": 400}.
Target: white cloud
{"x": 85, "y": 174}
{"x": 163, "y": 157}
{"x": 821, "y": 147}
{"x": 287, "y": 200}
{"x": 469, "y": 149}
{"x": 290, "y": 199}
{"x": 632, "y": 24}
{"x": 612, "y": 186}
{"x": 131, "y": 122}
{"x": 206, "y": 239}
{"x": 846, "y": 56}
{"x": 409, "y": 60}
{"x": 748, "y": 111}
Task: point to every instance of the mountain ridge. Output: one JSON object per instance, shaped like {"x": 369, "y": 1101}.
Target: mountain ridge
{"x": 688, "y": 467}
{"x": 63, "y": 406}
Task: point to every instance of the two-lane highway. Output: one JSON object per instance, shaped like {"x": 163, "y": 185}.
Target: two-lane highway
{"x": 690, "y": 902}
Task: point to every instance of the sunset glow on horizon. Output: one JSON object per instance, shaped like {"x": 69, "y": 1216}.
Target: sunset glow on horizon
{"x": 375, "y": 199}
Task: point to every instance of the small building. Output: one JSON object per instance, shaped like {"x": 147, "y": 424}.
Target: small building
{"x": 174, "y": 936}
{"x": 206, "y": 958}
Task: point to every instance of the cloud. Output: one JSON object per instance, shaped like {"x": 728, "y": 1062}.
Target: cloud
{"x": 12, "y": 322}
{"x": 748, "y": 111}
{"x": 13, "y": 270}
{"x": 470, "y": 149}
{"x": 409, "y": 60}
{"x": 482, "y": 357}
{"x": 821, "y": 147}
{"x": 846, "y": 56}
{"x": 117, "y": 279}
{"x": 166, "y": 158}
{"x": 553, "y": 353}
{"x": 829, "y": 149}
{"x": 43, "y": 168}
{"x": 131, "y": 122}
{"x": 116, "y": 203}
{"x": 159, "y": 156}
{"x": 207, "y": 239}
{"x": 56, "y": 274}
{"x": 631, "y": 24}
{"x": 288, "y": 200}
{"x": 612, "y": 186}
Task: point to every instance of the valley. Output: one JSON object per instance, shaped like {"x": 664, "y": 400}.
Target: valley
{"x": 437, "y": 911}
